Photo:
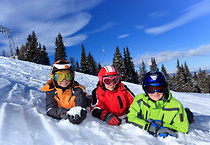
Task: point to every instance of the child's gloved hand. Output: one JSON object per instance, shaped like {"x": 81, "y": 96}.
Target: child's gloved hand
{"x": 113, "y": 120}
{"x": 154, "y": 126}
{"x": 152, "y": 129}
{"x": 62, "y": 113}
{"x": 164, "y": 132}
{"x": 76, "y": 115}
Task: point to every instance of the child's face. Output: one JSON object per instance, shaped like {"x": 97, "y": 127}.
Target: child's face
{"x": 64, "y": 83}
{"x": 110, "y": 87}
{"x": 156, "y": 96}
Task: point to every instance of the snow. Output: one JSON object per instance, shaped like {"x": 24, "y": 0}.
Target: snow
{"x": 23, "y": 119}
{"x": 75, "y": 110}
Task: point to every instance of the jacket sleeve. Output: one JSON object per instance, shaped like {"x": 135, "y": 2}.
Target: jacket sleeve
{"x": 180, "y": 122}
{"x": 97, "y": 108}
{"x": 80, "y": 99}
{"x": 129, "y": 94}
{"x": 134, "y": 115}
{"x": 51, "y": 105}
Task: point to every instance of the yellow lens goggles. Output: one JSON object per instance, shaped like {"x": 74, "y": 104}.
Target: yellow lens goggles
{"x": 61, "y": 76}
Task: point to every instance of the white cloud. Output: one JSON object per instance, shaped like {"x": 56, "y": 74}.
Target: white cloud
{"x": 158, "y": 14}
{"x": 76, "y": 39}
{"x": 139, "y": 26}
{"x": 200, "y": 51}
{"x": 170, "y": 55}
{"x": 160, "y": 57}
{"x": 123, "y": 36}
{"x": 47, "y": 18}
{"x": 105, "y": 27}
{"x": 191, "y": 13}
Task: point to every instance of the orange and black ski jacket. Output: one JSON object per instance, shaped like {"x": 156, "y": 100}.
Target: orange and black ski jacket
{"x": 70, "y": 97}
{"x": 116, "y": 102}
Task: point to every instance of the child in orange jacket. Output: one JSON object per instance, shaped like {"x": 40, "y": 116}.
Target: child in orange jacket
{"x": 65, "y": 98}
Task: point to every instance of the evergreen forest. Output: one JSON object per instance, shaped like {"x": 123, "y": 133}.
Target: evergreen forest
{"x": 181, "y": 81}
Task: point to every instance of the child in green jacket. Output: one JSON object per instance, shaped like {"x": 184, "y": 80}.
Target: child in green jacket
{"x": 156, "y": 111}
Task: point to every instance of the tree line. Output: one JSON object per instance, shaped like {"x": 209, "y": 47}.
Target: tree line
{"x": 181, "y": 81}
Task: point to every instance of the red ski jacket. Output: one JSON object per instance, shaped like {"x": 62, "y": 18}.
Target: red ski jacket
{"x": 116, "y": 102}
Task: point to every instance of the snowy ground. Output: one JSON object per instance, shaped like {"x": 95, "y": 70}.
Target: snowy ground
{"x": 23, "y": 119}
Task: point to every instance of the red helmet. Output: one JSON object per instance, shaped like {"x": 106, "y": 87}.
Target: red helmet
{"x": 107, "y": 71}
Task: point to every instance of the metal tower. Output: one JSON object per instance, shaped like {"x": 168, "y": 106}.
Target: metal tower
{"x": 9, "y": 36}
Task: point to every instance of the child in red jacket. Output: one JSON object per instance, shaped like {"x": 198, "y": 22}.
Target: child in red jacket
{"x": 111, "y": 99}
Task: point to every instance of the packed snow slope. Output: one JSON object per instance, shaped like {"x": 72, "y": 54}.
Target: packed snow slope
{"x": 23, "y": 119}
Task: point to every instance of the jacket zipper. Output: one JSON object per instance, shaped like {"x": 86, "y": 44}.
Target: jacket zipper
{"x": 120, "y": 102}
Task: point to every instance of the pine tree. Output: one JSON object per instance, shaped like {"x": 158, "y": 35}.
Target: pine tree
{"x": 60, "y": 49}
{"x": 163, "y": 70}
{"x": 22, "y": 52}
{"x": 83, "y": 62}
{"x": 71, "y": 60}
{"x": 203, "y": 81}
{"x": 129, "y": 67}
{"x": 195, "y": 83}
{"x": 119, "y": 64}
{"x": 3, "y": 53}
{"x": 209, "y": 83}
{"x": 180, "y": 81}
{"x": 44, "y": 56}
{"x": 142, "y": 72}
{"x": 77, "y": 68}
{"x": 91, "y": 64}
{"x": 98, "y": 68}
{"x": 38, "y": 54}
{"x": 173, "y": 83}
{"x": 17, "y": 51}
{"x": 153, "y": 65}
{"x": 31, "y": 48}
{"x": 188, "y": 78}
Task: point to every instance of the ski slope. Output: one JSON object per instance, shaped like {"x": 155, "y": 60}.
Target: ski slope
{"x": 23, "y": 119}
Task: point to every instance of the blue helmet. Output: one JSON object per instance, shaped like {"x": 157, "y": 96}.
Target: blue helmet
{"x": 154, "y": 77}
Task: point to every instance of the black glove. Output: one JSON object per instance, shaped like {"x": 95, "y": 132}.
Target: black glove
{"x": 77, "y": 119}
{"x": 112, "y": 119}
{"x": 190, "y": 115}
{"x": 62, "y": 113}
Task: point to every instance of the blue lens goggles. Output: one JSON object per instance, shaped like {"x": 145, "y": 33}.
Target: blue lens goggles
{"x": 156, "y": 87}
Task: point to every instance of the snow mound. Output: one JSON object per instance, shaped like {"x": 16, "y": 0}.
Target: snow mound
{"x": 23, "y": 119}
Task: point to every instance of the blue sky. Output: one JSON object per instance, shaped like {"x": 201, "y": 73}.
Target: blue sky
{"x": 165, "y": 29}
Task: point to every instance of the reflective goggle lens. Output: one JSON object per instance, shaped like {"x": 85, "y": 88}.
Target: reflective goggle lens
{"x": 60, "y": 76}
{"x": 157, "y": 87}
{"x": 110, "y": 80}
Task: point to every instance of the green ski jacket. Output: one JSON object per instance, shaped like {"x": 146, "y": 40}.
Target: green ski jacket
{"x": 169, "y": 110}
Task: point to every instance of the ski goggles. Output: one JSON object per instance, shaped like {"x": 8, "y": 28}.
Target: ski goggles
{"x": 156, "y": 87}
{"x": 60, "y": 76}
{"x": 111, "y": 80}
